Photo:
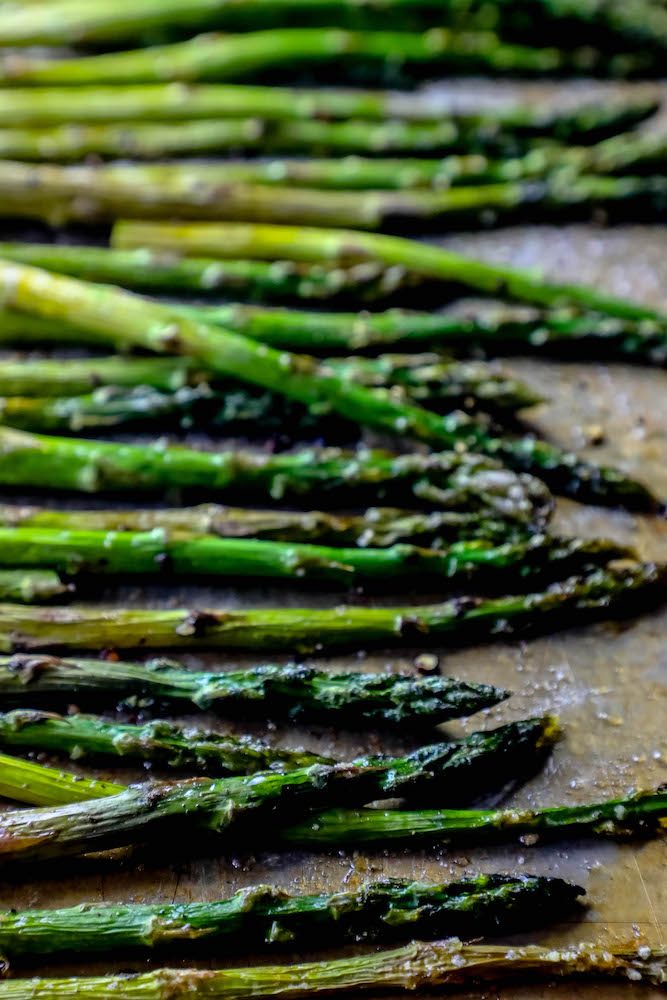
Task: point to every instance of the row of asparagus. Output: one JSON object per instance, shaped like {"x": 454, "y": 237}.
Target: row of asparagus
{"x": 42, "y": 395}
{"x": 386, "y": 56}
{"x": 92, "y": 817}
{"x": 605, "y": 24}
{"x": 60, "y": 195}
{"x": 264, "y": 916}
{"x": 472, "y": 329}
{"x": 79, "y": 815}
{"x": 427, "y": 966}
{"x": 320, "y": 263}
{"x": 613, "y": 591}
{"x": 505, "y": 143}
{"x": 320, "y": 387}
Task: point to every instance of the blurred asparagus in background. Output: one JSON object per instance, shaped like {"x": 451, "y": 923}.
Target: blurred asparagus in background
{"x": 163, "y": 102}
{"x": 610, "y": 24}
{"x": 60, "y": 195}
{"x": 381, "y": 54}
{"x": 257, "y": 280}
{"x": 336, "y": 247}
{"x": 445, "y": 480}
{"x": 490, "y": 566}
{"x": 471, "y": 328}
{"x": 378, "y": 526}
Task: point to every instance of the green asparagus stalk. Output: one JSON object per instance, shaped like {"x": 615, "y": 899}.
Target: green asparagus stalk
{"x": 292, "y": 691}
{"x": 355, "y": 173}
{"x": 80, "y": 376}
{"x": 128, "y": 553}
{"x": 580, "y": 599}
{"x": 149, "y": 140}
{"x": 165, "y": 102}
{"x": 237, "y": 57}
{"x": 34, "y": 586}
{"x": 59, "y": 195}
{"x": 423, "y": 377}
{"x": 330, "y": 246}
{"x": 639, "y": 152}
{"x": 67, "y": 22}
{"x": 157, "y": 741}
{"x": 170, "y": 272}
{"x": 644, "y": 813}
{"x": 448, "y": 480}
{"x": 471, "y": 154}
{"x": 417, "y": 966}
{"x": 229, "y": 806}
{"x": 377, "y": 526}
{"x": 262, "y": 915}
{"x": 637, "y": 23}
{"x": 642, "y": 153}
{"x": 502, "y": 329}
{"x": 25, "y": 781}
{"x": 486, "y": 759}
{"x": 144, "y": 324}
{"x": 109, "y": 407}
{"x": 236, "y": 409}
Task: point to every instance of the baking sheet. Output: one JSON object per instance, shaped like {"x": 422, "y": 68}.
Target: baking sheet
{"x": 606, "y": 682}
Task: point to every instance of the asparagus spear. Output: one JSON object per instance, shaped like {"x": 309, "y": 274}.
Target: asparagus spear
{"x": 333, "y": 247}
{"x": 165, "y": 102}
{"x": 25, "y": 781}
{"x": 644, "y": 813}
{"x": 579, "y": 599}
{"x": 149, "y": 139}
{"x": 149, "y": 552}
{"x": 484, "y": 759}
{"x": 356, "y": 173}
{"x": 150, "y": 325}
{"x": 111, "y": 407}
{"x": 236, "y": 409}
{"x": 170, "y": 272}
{"x": 293, "y": 690}
{"x": 233, "y": 57}
{"x": 448, "y": 480}
{"x": 377, "y": 526}
{"x": 156, "y": 741}
{"x": 428, "y": 377}
{"x": 263, "y": 915}
{"x": 499, "y": 330}
{"x": 66, "y": 21}
{"x": 34, "y": 586}
{"x": 230, "y": 806}
{"x": 87, "y": 194}
{"x": 417, "y": 966}
{"x": 49, "y": 377}
{"x": 642, "y": 153}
